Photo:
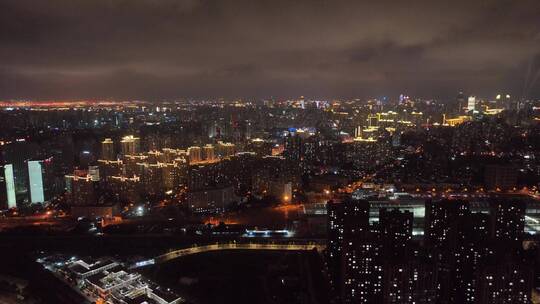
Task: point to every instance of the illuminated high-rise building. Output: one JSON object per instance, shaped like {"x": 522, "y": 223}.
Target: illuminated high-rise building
{"x": 225, "y": 149}
{"x": 173, "y": 174}
{"x": 40, "y": 180}
{"x": 347, "y": 220}
{"x": 442, "y": 217}
{"x": 408, "y": 280}
{"x": 294, "y": 147}
{"x": 362, "y": 275}
{"x": 208, "y": 152}
{"x": 358, "y": 132}
{"x": 107, "y": 149}
{"x": 7, "y": 187}
{"x": 3, "y": 190}
{"x": 16, "y": 155}
{"x": 471, "y": 103}
{"x": 395, "y": 229}
{"x": 130, "y": 145}
{"x": 10, "y": 186}
{"x": 460, "y": 99}
{"x": 194, "y": 154}
{"x": 442, "y": 224}
{"x": 334, "y": 245}
{"x": 505, "y": 282}
{"x": 508, "y": 219}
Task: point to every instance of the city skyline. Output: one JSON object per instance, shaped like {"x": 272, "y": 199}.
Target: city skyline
{"x": 336, "y": 201}
{"x": 269, "y": 152}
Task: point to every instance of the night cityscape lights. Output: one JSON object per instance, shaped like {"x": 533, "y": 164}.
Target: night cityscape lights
{"x": 390, "y": 204}
{"x": 269, "y": 152}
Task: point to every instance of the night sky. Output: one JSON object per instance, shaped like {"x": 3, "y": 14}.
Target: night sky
{"x": 156, "y": 49}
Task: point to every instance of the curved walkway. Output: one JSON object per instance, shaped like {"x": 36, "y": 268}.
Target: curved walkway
{"x": 227, "y": 246}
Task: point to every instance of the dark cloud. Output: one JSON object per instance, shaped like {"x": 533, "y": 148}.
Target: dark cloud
{"x": 158, "y": 49}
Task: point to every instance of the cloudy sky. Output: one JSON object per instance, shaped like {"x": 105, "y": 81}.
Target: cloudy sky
{"x": 160, "y": 49}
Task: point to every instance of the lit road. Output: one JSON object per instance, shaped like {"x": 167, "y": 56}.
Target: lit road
{"x": 228, "y": 246}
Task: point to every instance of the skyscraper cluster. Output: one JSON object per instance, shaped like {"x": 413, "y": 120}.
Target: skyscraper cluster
{"x": 30, "y": 181}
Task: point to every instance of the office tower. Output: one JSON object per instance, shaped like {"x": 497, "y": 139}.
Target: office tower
{"x": 194, "y": 154}
{"x": 507, "y": 219}
{"x": 35, "y": 178}
{"x": 17, "y": 154}
{"x": 471, "y": 103}
{"x": 130, "y": 145}
{"x": 10, "y": 186}
{"x": 107, "y": 149}
{"x": 40, "y": 180}
{"x": 7, "y": 187}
